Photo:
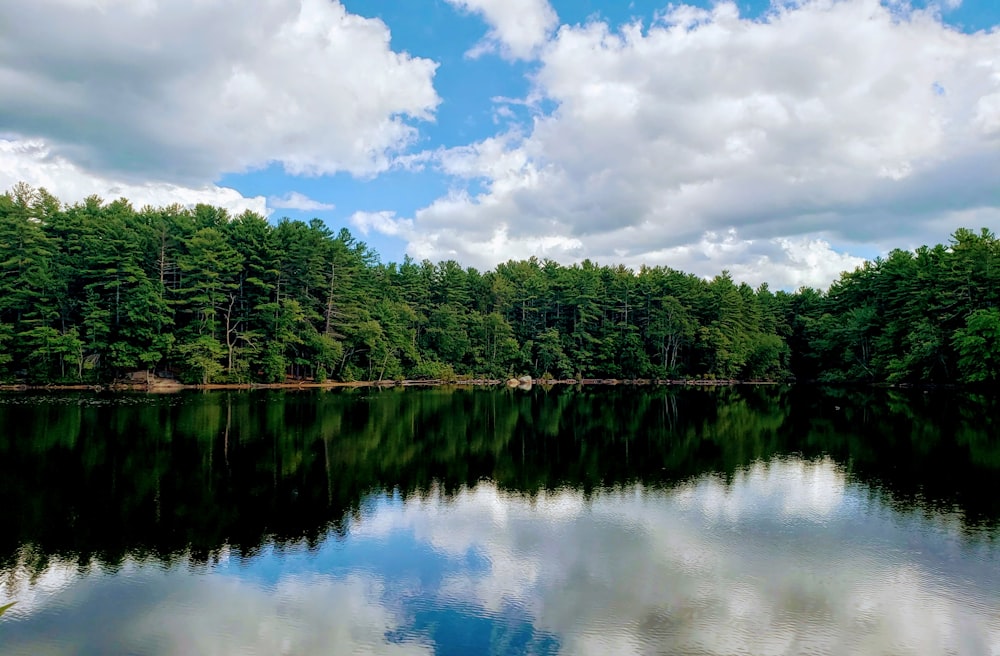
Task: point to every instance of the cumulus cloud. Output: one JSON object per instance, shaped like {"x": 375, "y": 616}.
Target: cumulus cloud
{"x": 384, "y": 222}
{"x": 517, "y": 27}
{"x": 791, "y": 262}
{"x": 33, "y": 161}
{"x": 824, "y": 122}
{"x": 293, "y": 200}
{"x": 183, "y": 92}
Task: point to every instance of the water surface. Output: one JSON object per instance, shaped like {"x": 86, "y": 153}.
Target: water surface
{"x": 455, "y": 521}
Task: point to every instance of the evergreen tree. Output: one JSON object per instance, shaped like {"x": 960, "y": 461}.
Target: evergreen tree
{"x": 92, "y": 290}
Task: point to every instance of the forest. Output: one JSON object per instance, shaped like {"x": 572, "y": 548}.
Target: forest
{"x": 94, "y": 290}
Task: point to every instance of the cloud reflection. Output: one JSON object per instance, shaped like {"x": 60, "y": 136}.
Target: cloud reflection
{"x": 179, "y": 613}
{"x": 793, "y": 488}
{"x": 784, "y": 557}
{"x": 789, "y": 557}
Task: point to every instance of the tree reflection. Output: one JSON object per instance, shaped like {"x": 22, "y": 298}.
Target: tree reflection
{"x": 106, "y": 477}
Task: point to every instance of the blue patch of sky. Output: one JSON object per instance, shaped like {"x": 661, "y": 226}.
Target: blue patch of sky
{"x": 436, "y": 30}
{"x": 469, "y": 89}
{"x": 865, "y": 251}
{"x": 573, "y": 12}
{"x": 972, "y": 15}
{"x": 969, "y": 16}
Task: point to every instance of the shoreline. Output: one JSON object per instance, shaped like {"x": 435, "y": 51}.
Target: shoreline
{"x": 169, "y": 386}
{"x": 163, "y": 386}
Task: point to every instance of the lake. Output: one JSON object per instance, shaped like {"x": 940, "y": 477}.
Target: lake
{"x": 603, "y": 520}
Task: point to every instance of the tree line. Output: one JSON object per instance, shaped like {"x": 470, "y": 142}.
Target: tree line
{"x": 92, "y": 290}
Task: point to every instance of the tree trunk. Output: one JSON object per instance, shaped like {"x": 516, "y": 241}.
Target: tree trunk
{"x": 329, "y": 299}
{"x": 230, "y": 329}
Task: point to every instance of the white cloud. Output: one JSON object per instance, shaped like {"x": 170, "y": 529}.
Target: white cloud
{"x": 845, "y": 122}
{"x": 293, "y": 200}
{"x": 384, "y": 222}
{"x": 33, "y": 162}
{"x": 517, "y": 27}
{"x": 184, "y": 92}
{"x": 791, "y": 262}
{"x": 988, "y": 114}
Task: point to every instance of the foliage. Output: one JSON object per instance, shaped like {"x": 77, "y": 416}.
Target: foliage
{"x": 978, "y": 346}
{"x": 95, "y": 290}
{"x": 432, "y": 370}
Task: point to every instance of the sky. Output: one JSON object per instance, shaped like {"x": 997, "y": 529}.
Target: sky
{"x": 783, "y": 141}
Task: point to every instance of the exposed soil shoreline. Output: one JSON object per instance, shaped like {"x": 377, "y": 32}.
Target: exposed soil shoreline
{"x": 161, "y": 385}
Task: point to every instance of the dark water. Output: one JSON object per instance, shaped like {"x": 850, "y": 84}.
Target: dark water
{"x": 437, "y": 521}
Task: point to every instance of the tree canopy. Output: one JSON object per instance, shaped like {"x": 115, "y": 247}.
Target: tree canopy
{"x": 92, "y": 290}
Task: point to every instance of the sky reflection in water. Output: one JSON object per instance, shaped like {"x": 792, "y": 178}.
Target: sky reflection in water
{"x": 789, "y": 556}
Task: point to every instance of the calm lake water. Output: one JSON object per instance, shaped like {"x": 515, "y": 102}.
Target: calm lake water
{"x": 455, "y": 521}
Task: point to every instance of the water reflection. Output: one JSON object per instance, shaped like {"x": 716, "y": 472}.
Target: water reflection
{"x": 751, "y": 521}
{"x": 707, "y": 568}
{"x": 143, "y": 609}
{"x": 634, "y": 570}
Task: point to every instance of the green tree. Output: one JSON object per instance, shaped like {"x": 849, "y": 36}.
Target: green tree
{"x": 202, "y": 357}
{"x": 978, "y": 346}
{"x": 210, "y": 270}
{"x": 670, "y": 328}
{"x": 550, "y": 357}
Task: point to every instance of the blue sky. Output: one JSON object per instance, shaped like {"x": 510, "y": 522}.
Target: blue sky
{"x": 782, "y": 142}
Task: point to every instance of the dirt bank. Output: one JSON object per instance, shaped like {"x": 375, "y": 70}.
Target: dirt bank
{"x": 166, "y": 385}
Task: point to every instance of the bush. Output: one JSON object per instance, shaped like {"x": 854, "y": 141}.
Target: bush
{"x": 432, "y": 370}
{"x": 352, "y": 373}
